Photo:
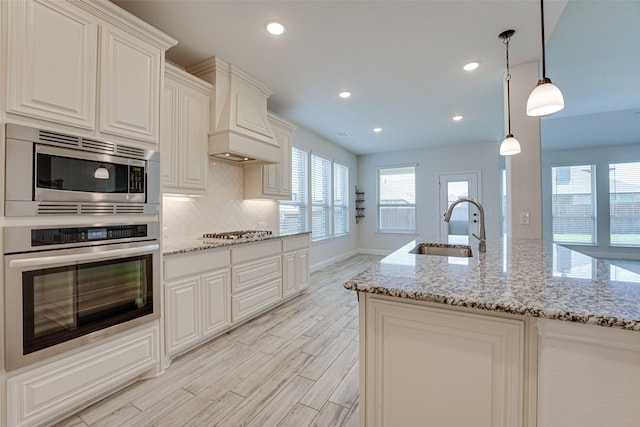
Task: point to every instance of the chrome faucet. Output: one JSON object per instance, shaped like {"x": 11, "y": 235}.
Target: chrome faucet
{"x": 482, "y": 246}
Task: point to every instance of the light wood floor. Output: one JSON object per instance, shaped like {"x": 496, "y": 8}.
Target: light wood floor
{"x": 294, "y": 366}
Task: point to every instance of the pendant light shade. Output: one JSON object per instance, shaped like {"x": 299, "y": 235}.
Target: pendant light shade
{"x": 545, "y": 98}
{"x": 101, "y": 172}
{"x": 509, "y": 146}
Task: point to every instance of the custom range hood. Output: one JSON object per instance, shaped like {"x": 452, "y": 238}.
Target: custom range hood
{"x": 238, "y": 126}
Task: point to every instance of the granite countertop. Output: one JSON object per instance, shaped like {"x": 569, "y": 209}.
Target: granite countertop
{"x": 525, "y": 277}
{"x": 171, "y": 247}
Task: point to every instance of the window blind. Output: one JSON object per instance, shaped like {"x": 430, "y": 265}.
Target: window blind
{"x": 397, "y": 200}
{"x": 340, "y": 199}
{"x": 624, "y": 204}
{"x": 320, "y": 197}
{"x": 293, "y": 214}
{"x": 573, "y": 204}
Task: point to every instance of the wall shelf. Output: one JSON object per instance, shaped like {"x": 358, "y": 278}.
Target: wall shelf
{"x": 359, "y": 205}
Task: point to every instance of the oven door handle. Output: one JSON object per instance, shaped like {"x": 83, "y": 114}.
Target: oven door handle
{"x": 92, "y": 256}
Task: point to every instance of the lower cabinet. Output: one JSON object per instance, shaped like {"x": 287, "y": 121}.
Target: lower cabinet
{"x": 40, "y": 395}
{"x": 447, "y": 368}
{"x": 208, "y": 292}
{"x": 256, "y": 278}
{"x": 196, "y": 294}
{"x": 295, "y": 265}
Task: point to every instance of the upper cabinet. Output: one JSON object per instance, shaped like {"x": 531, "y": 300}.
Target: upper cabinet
{"x": 272, "y": 181}
{"x": 83, "y": 67}
{"x": 183, "y": 132}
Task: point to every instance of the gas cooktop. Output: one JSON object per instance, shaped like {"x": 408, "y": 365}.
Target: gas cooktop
{"x": 233, "y": 235}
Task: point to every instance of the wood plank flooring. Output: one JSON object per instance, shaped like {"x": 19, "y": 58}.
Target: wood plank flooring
{"x": 295, "y": 366}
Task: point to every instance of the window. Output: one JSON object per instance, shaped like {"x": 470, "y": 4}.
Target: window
{"x": 320, "y": 197}
{"x": 322, "y": 185}
{"x": 293, "y": 214}
{"x": 573, "y": 204}
{"x": 340, "y": 199}
{"x": 624, "y": 204}
{"x": 397, "y": 200}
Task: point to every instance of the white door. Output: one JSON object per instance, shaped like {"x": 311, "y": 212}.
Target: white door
{"x": 452, "y": 187}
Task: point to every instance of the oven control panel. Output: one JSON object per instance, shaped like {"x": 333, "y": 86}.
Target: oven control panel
{"x": 61, "y": 236}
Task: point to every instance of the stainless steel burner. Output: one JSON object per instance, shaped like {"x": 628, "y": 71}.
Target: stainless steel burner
{"x": 233, "y": 235}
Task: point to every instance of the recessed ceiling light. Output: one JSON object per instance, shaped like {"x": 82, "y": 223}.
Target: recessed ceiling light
{"x": 344, "y": 94}
{"x": 457, "y": 118}
{"x": 471, "y": 66}
{"x": 377, "y": 130}
{"x": 275, "y": 28}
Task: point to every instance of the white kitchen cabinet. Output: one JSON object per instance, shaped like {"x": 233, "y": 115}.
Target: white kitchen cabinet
{"x": 51, "y": 62}
{"x": 272, "y": 181}
{"x": 197, "y": 301}
{"x": 256, "y": 281}
{"x": 130, "y": 76}
{"x": 431, "y": 366}
{"x": 40, "y": 395}
{"x": 85, "y": 68}
{"x": 588, "y": 375}
{"x": 295, "y": 265}
{"x": 183, "y": 132}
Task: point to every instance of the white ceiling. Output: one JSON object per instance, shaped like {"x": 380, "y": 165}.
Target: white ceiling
{"x": 401, "y": 59}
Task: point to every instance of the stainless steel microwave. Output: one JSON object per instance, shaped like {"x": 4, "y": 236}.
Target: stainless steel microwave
{"x": 49, "y": 173}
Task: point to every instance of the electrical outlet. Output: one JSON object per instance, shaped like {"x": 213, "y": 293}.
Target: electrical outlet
{"x": 524, "y": 218}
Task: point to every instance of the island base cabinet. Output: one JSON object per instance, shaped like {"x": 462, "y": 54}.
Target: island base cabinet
{"x": 588, "y": 376}
{"x": 424, "y": 366}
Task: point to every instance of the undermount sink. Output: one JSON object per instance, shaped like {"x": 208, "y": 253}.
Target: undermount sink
{"x": 442, "y": 249}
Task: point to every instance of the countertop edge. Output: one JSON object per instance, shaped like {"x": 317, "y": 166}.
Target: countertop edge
{"x": 190, "y": 246}
{"x": 567, "y": 316}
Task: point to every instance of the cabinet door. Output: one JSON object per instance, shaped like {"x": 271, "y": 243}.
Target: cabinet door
{"x": 302, "y": 269}
{"x": 51, "y": 67}
{"x": 289, "y": 277}
{"x": 423, "y": 365}
{"x": 270, "y": 180}
{"x": 169, "y": 134}
{"x": 194, "y": 119}
{"x": 182, "y": 313}
{"x": 217, "y": 302}
{"x": 129, "y": 86}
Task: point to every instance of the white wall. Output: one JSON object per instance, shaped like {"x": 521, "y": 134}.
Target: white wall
{"x": 223, "y": 209}
{"x": 326, "y": 251}
{"x": 601, "y": 157}
{"x": 431, "y": 163}
{"x": 523, "y": 170}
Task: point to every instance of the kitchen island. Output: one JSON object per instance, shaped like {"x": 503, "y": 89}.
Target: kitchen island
{"x": 528, "y": 333}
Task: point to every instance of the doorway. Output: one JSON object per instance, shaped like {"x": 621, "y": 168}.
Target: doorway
{"x": 454, "y": 186}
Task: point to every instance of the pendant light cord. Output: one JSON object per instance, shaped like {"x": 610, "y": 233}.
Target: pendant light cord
{"x": 544, "y": 71}
{"x": 508, "y": 78}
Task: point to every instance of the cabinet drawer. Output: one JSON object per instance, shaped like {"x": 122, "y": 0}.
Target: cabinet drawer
{"x": 39, "y": 395}
{"x": 248, "y": 276}
{"x": 253, "y": 251}
{"x": 254, "y": 301}
{"x": 191, "y": 263}
{"x": 294, "y": 243}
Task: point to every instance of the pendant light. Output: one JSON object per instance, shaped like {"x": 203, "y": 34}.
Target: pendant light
{"x": 510, "y": 145}
{"x": 101, "y": 172}
{"x": 545, "y": 98}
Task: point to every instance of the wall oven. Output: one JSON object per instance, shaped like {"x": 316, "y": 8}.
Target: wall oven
{"x": 52, "y": 173}
{"x": 66, "y": 287}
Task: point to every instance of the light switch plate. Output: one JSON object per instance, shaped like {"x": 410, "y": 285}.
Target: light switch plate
{"x": 524, "y": 218}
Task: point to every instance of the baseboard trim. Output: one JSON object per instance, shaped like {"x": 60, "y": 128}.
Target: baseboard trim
{"x": 366, "y": 251}
{"x": 332, "y": 260}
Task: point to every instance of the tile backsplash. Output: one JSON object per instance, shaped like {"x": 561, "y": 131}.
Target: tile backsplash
{"x": 223, "y": 209}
